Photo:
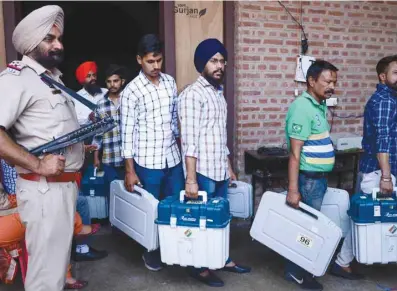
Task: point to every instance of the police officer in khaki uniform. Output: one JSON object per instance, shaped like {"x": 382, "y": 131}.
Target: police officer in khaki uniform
{"x": 31, "y": 114}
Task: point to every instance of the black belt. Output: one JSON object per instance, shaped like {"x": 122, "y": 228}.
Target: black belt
{"x": 313, "y": 174}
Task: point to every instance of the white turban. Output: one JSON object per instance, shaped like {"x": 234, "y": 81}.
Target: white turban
{"x": 34, "y": 27}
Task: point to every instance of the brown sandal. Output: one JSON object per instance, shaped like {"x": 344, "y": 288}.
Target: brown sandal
{"x": 79, "y": 284}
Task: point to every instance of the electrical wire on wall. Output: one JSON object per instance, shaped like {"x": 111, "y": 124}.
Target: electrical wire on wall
{"x": 350, "y": 116}
{"x": 304, "y": 40}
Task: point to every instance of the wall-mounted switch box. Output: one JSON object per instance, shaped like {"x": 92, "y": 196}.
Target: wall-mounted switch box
{"x": 333, "y": 101}
{"x": 302, "y": 65}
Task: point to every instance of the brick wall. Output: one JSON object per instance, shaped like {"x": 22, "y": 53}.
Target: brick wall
{"x": 351, "y": 35}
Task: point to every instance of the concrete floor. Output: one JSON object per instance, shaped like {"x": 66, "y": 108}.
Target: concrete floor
{"x": 123, "y": 269}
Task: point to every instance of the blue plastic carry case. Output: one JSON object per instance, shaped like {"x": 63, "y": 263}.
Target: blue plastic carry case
{"x": 194, "y": 213}
{"x": 373, "y": 208}
{"x": 97, "y": 183}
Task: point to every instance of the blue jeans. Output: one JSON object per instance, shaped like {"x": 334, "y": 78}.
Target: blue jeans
{"x": 162, "y": 183}
{"x": 119, "y": 172}
{"x": 213, "y": 189}
{"x": 83, "y": 209}
{"x": 312, "y": 191}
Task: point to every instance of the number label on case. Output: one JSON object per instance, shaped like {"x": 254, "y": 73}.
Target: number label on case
{"x": 305, "y": 240}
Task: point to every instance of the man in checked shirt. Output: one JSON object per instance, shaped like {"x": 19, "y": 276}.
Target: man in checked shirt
{"x": 202, "y": 112}
{"x": 149, "y": 127}
{"x": 110, "y": 142}
{"x": 378, "y": 163}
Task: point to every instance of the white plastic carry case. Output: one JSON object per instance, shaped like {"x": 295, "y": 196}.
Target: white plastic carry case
{"x": 304, "y": 236}
{"x": 374, "y": 242}
{"x": 134, "y": 214}
{"x": 335, "y": 205}
{"x": 240, "y": 199}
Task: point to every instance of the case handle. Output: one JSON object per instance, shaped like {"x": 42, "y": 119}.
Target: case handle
{"x": 305, "y": 209}
{"x": 376, "y": 194}
{"x": 138, "y": 189}
{"x": 93, "y": 177}
{"x": 232, "y": 185}
{"x": 203, "y": 194}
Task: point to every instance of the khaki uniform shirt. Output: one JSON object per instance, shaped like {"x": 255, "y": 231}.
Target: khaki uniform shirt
{"x": 33, "y": 113}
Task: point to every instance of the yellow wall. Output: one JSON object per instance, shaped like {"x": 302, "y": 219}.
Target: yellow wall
{"x": 190, "y": 30}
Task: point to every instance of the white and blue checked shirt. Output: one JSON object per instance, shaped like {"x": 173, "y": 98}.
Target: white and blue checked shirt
{"x": 202, "y": 112}
{"x": 109, "y": 142}
{"x": 149, "y": 122}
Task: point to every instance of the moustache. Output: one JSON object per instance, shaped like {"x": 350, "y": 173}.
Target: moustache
{"x": 330, "y": 91}
{"x": 219, "y": 71}
{"x": 56, "y": 53}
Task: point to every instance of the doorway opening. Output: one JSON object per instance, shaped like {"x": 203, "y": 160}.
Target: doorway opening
{"x": 104, "y": 32}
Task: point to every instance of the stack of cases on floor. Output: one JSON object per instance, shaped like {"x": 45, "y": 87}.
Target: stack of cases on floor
{"x": 304, "y": 236}
{"x": 134, "y": 214}
{"x": 239, "y": 195}
{"x": 336, "y": 203}
{"x": 194, "y": 232}
{"x": 374, "y": 228}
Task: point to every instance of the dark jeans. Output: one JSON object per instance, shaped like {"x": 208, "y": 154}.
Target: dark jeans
{"x": 120, "y": 171}
{"x": 312, "y": 191}
{"x": 83, "y": 209}
{"x": 161, "y": 183}
{"x": 212, "y": 187}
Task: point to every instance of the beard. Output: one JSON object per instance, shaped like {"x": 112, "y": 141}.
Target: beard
{"x": 48, "y": 60}
{"x": 391, "y": 85}
{"x": 92, "y": 88}
{"x": 212, "y": 80}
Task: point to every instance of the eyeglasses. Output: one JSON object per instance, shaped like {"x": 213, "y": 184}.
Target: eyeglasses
{"x": 216, "y": 61}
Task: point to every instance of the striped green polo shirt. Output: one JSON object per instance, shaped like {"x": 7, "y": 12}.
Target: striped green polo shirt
{"x": 307, "y": 121}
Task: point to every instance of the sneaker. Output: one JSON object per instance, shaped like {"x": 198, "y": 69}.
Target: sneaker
{"x": 338, "y": 271}
{"x": 306, "y": 282}
{"x": 152, "y": 261}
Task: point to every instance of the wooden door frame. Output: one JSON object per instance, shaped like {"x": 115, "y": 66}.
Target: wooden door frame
{"x": 228, "y": 40}
{"x": 11, "y": 15}
{"x": 167, "y": 35}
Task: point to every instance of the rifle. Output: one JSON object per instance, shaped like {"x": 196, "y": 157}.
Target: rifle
{"x": 59, "y": 145}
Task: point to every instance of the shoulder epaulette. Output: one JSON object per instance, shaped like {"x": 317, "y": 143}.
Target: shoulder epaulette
{"x": 15, "y": 67}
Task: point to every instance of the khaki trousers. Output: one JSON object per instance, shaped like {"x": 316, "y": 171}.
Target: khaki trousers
{"x": 47, "y": 210}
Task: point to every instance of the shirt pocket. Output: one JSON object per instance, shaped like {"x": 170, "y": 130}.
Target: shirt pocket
{"x": 61, "y": 107}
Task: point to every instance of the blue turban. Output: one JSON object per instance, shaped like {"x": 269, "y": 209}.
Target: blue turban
{"x": 206, "y": 50}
